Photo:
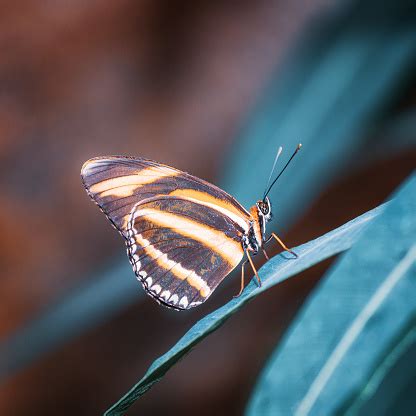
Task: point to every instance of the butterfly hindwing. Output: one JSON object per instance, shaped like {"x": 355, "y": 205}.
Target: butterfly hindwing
{"x": 183, "y": 234}
{"x": 178, "y": 251}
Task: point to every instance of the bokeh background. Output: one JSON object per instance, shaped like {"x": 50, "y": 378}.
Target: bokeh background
{"x": 212, "y": 88}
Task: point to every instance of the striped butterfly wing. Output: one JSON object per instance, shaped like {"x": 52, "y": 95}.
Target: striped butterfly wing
{"x": 181, "y": 250}
{"x": 183, "y": 234}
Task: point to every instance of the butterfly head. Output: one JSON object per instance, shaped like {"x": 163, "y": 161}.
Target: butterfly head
{"x": 264, "y": 207}
{"x": 264, "y": 211}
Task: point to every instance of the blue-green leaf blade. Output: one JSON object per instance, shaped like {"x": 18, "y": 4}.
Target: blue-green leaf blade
{"x": 274, "y": 271}
{"x": 355, "y": 318}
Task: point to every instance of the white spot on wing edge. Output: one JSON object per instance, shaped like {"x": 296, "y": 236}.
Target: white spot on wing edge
{"x": 192, "y": 304}
{"x": 149, "y": 281}
{"x": 156, "y": 289}
{"x": 184, "y": 302}
{"x": 174, "y": 299}
{"x": 165, "y": 294}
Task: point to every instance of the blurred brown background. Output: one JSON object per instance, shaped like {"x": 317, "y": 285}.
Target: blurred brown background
{"x": 168, "y": 81}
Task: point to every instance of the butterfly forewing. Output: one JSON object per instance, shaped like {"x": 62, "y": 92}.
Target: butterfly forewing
{"x": 117, "y": 183}
{"x": 183, "y": 234}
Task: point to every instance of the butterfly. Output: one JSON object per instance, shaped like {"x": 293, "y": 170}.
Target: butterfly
{"x": 183, "y": 234}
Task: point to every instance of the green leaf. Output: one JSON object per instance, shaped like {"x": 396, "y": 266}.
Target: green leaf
{"x": 274, "y": 271}
{"x": 354, "y": 330}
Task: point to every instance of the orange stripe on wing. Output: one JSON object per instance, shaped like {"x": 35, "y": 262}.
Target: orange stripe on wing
{"x": 205, "y": 197}
{"x": 240, "y": 217}
{"x": 123, "y": 186}
{"x": 173, "y": 267}
{"x": 229, "y": 249}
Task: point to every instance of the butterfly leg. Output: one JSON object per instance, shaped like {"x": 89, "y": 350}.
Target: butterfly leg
{"x": 283, "y": 245}
{"x": 254, "y": 269}
{"x": 242, "y": 280}
{"x": 265, "y": 253}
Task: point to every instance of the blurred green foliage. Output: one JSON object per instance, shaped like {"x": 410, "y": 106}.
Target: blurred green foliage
{"x": 335, "y": 85}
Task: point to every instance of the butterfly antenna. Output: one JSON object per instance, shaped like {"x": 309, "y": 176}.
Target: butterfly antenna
{"x": 284, "y": 168}
{"x": 279, "y": 152}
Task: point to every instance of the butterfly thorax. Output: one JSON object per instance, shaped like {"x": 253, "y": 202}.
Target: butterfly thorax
{"x": 260, "y": 215}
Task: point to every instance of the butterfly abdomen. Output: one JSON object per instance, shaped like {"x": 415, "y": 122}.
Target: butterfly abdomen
{"x": 256, "y": 237}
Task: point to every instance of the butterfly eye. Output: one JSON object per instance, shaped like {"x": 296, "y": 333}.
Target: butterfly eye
{"x": 266, "y": 207}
